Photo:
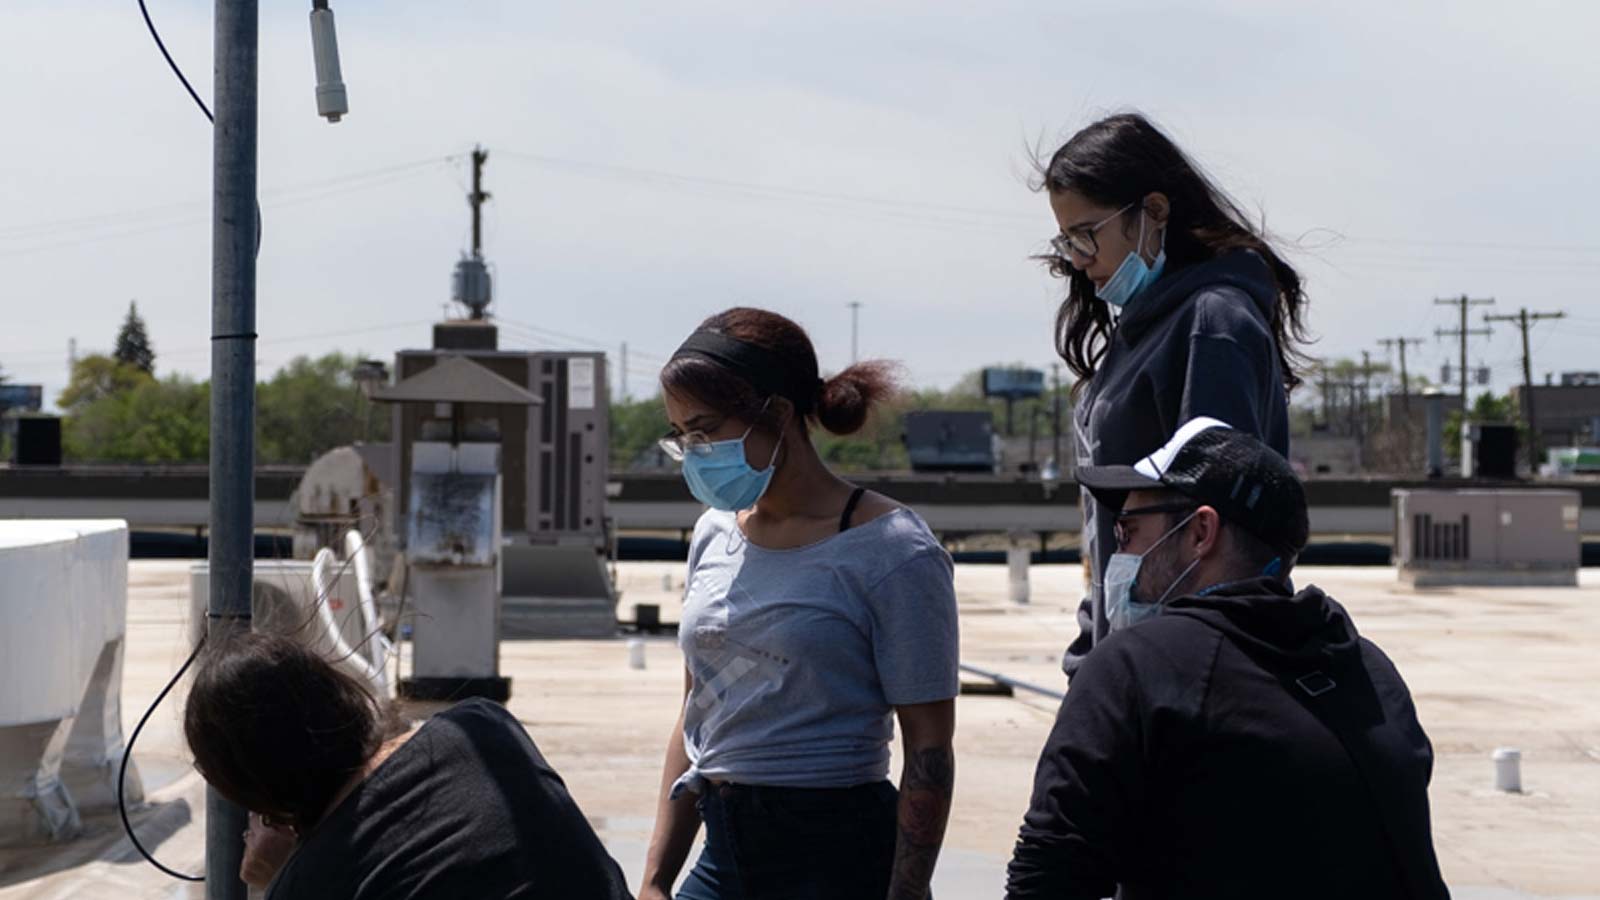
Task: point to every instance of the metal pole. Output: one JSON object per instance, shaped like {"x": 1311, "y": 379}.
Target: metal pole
{"x": 855, "y": 328}
{"x": 233, "y": 382}
{"x": 1527, "y": 392}
{"x": 476, "y": 198}
{"x": 1010, "y": 682}
{"x": 1055, "y": 413}
{"x": 1435, "y": 401}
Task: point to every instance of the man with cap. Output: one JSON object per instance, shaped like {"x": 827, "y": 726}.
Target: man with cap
{"x": 1232, "y": 737}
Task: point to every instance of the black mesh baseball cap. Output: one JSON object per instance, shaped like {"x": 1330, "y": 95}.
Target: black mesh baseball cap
{"x": 1214, "y": 464}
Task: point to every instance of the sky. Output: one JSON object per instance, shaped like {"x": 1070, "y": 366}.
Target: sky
{"x": 651, "y": 164}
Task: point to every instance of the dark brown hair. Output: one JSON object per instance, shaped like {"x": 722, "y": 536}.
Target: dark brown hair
{"x": 277, "y": 729}
{"x": 1119, "y": 161}
{"x": 840, "y": 404}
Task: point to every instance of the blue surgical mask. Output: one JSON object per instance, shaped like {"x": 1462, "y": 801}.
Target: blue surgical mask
{"x": 1121, "y": 573}
{"x": 1134, "y": 274}
{"x": 722, "y": 478}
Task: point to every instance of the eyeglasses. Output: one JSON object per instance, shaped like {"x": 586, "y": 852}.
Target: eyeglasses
{"x": 1081, "y": 240}
{"x": 1121, "y": 530}
{"x": 677, "y": 446}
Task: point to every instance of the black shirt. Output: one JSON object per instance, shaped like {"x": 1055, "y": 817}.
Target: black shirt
{"x": 1185, "y": 762}
{"x": 466, "y": 808}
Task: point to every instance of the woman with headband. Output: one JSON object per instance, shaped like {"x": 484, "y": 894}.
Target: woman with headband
{"x": 816, "y": 615}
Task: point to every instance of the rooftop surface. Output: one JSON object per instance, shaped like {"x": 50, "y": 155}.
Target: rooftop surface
{"x": 1489, "y": 667}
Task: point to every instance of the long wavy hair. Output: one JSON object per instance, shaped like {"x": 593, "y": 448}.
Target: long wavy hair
{"x": 1120, "y": 160}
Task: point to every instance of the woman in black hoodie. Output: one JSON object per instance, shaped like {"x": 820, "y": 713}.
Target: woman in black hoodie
{"x": 1176, "y": 307}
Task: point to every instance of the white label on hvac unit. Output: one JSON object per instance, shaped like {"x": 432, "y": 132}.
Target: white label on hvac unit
{"x": 1569, "y": 517}
{"x": 1505, "y": 518}
{"x": 580, "y": 384}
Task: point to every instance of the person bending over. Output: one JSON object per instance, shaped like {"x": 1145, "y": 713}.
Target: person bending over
{"x": 350, "y": 803}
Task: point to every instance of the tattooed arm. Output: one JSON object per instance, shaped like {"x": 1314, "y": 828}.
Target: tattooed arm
{"x": 926, "y": 785}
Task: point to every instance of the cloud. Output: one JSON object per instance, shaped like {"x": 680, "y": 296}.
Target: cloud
{"x": 1464, "y": 132}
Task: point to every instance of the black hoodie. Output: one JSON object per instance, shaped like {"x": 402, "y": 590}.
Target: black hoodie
{"x": 1198, "y": 342}
{"x": 1244, "y": 744}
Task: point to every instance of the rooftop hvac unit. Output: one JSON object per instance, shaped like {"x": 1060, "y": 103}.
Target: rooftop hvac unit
{"x": 1489, "y": 450}
{"x": 38, "y": 441}
{"x": 950, "y": 441}
{"x": 1487, "y": 537}
{"x": 554, "y": 464}
{"x": 569, "y": 449}
{"x": 556, "y": 581}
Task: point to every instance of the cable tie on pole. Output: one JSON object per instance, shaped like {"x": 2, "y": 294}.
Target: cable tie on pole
{"x": 229, "y": 337}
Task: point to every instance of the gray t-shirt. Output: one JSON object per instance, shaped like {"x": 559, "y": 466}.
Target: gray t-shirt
{"x": 799, "y": 656}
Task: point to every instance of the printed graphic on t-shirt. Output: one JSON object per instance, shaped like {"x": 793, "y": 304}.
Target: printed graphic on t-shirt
{"x": 718, "y": 657}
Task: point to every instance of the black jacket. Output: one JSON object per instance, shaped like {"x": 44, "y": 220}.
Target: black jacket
{"x": 1197, "y": 343}
{"x": 1191, "y": 759}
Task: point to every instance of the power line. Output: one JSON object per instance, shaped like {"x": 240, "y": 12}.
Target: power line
{"x": 770, "y": 190}
{"x": 1476, "y": 245}
{"x": 588, "y": 342}
{"x": 173, "y": 216}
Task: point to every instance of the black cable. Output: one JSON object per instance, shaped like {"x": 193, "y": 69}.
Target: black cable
{"x": 127, "y": 754}
{"x": 160, "y": 45}
{"x": 171, "y": 62}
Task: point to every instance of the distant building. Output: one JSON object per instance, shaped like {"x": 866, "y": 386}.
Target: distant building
{"x": 1567, "y": 414}
{"x": 950, "y": 441}
{"x": 1323, "y": 453}
{"x": 1411, "y": 409}
{"x": 16, "y": 400}
{"x": 21, "y": 398}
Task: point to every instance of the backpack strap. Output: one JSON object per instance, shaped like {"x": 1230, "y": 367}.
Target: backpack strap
{"x": 1346, "y": 702}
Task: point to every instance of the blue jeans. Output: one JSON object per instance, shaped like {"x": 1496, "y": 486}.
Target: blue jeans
{"x": 771, "y": 843}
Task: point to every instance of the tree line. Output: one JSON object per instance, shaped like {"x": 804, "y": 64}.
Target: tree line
{"x": 117, "y": 409}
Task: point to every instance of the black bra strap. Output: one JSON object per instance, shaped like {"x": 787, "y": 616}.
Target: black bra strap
{"x": 850, "y": 508}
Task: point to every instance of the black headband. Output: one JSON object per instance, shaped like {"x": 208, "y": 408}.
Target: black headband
{"x": 755, "y": 364}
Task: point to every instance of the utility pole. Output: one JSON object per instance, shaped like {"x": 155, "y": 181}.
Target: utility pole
{"x": 1407, "y": 425}
{"x": 1366, "y": 391}
{"x": 476, "y": 198}
{"x": 233, "y": 383}
{"x": 1330, "y": 388}
{"x": 1524, "y": 320}
{"x": 624, "y": 371}
{"x": 855, "y": 330}
{"x": 1055, "y": 413}
{"x": 1405, "y": 380}
{"x": 1462, "y": 302}
{"x": 1322, "y": 387}
{"x": 1033, "y": 436}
